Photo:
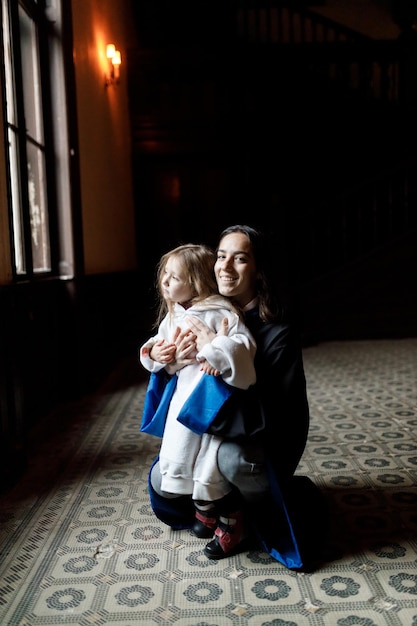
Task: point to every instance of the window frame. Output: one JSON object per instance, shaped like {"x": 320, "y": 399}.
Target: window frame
{"x": 54, "y": 46}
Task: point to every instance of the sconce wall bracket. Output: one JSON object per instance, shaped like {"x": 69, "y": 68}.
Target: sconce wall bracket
{"x": 114, "y": 59}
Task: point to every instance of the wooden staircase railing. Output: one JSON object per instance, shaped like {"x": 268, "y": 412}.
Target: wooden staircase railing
{"x": 338, "y": 51}
{"x": 271, "y": 22}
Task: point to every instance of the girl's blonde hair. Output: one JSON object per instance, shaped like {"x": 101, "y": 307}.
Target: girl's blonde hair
{"x": 198, "y": 267}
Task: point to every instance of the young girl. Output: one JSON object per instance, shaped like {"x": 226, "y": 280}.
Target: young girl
{"x": 187, "y": 460}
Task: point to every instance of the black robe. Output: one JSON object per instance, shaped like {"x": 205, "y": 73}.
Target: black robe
{"x": 275, "y": 410}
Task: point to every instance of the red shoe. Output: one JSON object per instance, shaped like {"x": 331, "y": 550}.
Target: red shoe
{"x": 205, "y": 519}
{"x": 204, "y": 526}
{"x": 229, "y": 537}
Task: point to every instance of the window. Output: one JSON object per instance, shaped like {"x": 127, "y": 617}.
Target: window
{"x": 38, "y": 156}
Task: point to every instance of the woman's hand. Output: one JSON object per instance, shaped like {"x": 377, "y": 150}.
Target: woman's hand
{"x": 202, "y": 332}
{"x": 185, "y": 348}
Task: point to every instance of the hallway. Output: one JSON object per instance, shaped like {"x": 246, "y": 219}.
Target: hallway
{"x": 80, "y": 544}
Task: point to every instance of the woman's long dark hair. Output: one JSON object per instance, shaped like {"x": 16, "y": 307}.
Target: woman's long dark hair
{"x": 270, "y": 307}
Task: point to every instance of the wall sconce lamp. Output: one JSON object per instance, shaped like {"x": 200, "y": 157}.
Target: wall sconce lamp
{"x": 115, "y": 60}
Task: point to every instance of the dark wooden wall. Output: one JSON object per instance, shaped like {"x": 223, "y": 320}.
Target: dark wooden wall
{"x": 275, "y": 116}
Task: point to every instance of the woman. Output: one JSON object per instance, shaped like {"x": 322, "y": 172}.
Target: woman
{"x": 265, "y": 428}
{"x": 279, "y": 396}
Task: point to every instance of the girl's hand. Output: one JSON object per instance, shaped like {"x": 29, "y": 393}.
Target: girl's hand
{"x": 163, "y": 352}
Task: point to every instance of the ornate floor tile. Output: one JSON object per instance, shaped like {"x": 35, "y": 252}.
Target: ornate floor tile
{"x": 89, "y": 551}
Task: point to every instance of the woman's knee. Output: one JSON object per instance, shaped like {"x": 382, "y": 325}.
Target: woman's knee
{"x": 244, "y": 467}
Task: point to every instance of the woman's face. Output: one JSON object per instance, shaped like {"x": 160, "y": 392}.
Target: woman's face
{"x": 235, "y": 268}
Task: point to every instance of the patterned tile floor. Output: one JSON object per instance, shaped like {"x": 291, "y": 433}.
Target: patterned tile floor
{"x": 80, "y": 544}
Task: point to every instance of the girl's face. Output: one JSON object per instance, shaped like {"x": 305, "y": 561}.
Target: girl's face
{"x": 174, "y": 285}
{"x": 235, "y": 268}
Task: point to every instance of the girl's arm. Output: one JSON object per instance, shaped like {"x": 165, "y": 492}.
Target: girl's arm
{"x": 158, "y": 351}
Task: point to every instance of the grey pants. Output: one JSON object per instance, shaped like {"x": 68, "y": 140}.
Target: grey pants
{"x": 242, "y": 466}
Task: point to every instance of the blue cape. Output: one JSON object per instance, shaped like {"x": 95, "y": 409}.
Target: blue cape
{"x": 197, "y": 412}
{"x": 277, "y": 531}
